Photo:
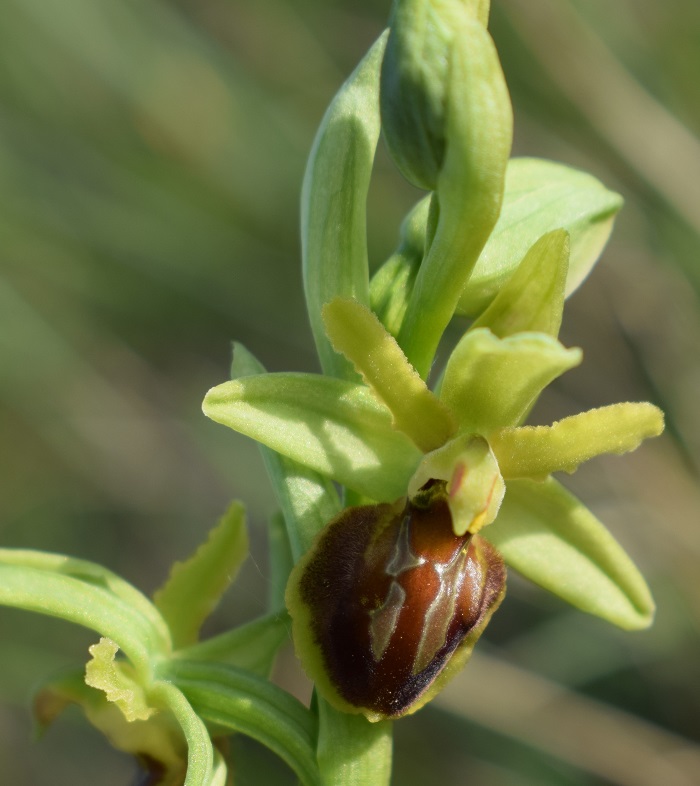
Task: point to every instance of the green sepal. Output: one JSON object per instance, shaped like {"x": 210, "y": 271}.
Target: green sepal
{"x": 308, "y": 499}
{"x": 551, "y": 538}
{"x": 252, "y": 646}
{"x": 391, "y": 286}
{"x": 333, "y": 201}
{"x": 541, "y": 196}
{"x": 83, "y": 593}
{"x": 536, "y": 451}
{"x": 195, "y": 586}
{"x": 490, "y": 383}
{"x": 478, "y": 133}
{"x": 334, "y": 427}
{"x": 157, "y": 741}
{"x": 532, "y": 300}
{"x": 356, "y": 332}
{"x": 236, "y": 701}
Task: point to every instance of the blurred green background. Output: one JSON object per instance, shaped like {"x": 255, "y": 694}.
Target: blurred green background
{"x": 151, "y": 156}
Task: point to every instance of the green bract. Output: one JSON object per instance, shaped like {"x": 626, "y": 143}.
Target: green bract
{"x": 400, "y": 501}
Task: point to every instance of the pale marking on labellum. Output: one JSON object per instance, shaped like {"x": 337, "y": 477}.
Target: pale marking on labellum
{"x": 383, "y": 620}
{"x": 403, "y": 558}
{"x": 441, "y": 611}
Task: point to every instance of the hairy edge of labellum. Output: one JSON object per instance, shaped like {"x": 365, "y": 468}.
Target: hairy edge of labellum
{"x": 388, "y": 601}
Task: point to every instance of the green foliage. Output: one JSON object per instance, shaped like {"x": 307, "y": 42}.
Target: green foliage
{"x": 502, "y": 241}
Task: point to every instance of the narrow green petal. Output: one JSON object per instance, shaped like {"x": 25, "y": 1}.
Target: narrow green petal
{"x": 117, "y": 681}
{"x": 490, "y": 383}
{"x": 308, "y": 499}
{"x": 159, "y": 738}
{"x": 333, "y": 201}
{"x": 550, "y": 537}
{"x": 478, "y": 132}
{"x": 537, "y": 451}
{"x": 238, "y": 701}
{"x": 334, "y": 427}
{"x": 195, "y": 586}
{"x": 541, "y": 196}
{"x": 532, "y": 300}
{"x": 356, "y": 332}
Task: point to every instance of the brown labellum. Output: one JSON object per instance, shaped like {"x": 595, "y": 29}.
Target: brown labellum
{"x": 387, "y": 600}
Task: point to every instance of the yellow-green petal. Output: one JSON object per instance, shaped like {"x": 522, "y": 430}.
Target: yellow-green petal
{"x": 195, "y": 586}
{"x": 537, "y": 451}
{"x": 117, "y": 681}
{"x": 356, "y": 332}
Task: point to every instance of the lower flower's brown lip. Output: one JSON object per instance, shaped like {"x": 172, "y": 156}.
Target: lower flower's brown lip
{"x": 391, "y": 596}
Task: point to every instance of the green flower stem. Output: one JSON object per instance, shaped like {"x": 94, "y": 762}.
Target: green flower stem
{"x": 356, "y": 332}
{"x": 537, "y": 451}
{"x": 391, "y": 286}
{"x": 333, "y": 202}
{"x": 351, "y": 750}
{"x": 469, "y": 191}
{"x": 236, "y": 700}
{"x": 281, "y": 562}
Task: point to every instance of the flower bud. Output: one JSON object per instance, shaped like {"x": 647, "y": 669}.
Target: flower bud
{"x": 389, "y": 603}
{"x": 414, "y": 83}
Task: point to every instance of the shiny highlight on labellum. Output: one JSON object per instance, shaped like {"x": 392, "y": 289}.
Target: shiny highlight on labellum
{"x": 391, "y": 597}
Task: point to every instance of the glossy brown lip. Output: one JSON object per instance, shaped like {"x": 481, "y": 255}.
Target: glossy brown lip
{"x": 393, "y": 593}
